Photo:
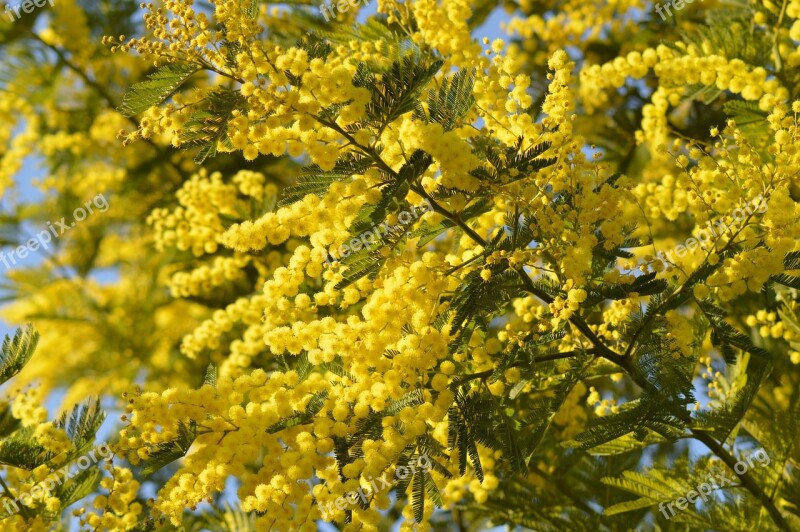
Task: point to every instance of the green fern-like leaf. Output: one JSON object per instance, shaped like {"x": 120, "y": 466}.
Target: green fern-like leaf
{"x": 642, "y": 485}
{"x": 228, "y": 518}
{"x": 639, "y": 417}
{"x": 751, "y": 46}
{"x": 471, "y": 421}
{"x": 624, "y": 444}
{"x": 396, "y": 46}
{"x": 792, "y": 260}
{"x": 723, "y": 333}
{"x": 313, "y": 407}
{"x": 418, "y": 497}
{"x": 643, "y": 285}
{"x": 79, "y": 486}
{"x": 167, "y": 452}
{"x": 452, "y": 101}
{"x": 161, "y": 85}
{"x": 8, "y": 423}
{"x": 22, "y": 451}
{"x": 250, "y": 8}
{"x": 315, "y": 180}
{"x": 82, "y": 424}
{"x": 628, "y": 506}
{"x": 786, "y": 280}
{"x": 210, "y": 378}
{"x": 745, "y": 113}
{"x": 393, "y": 194}
{"x": 17, "y": 352}
{"x": 208, "y": 127}
{"x": 398, "y": 91}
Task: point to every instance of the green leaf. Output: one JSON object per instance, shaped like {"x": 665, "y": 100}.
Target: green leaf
{"x": 315, "y": 180}
{"x": 792, "y": 260}
{"x": 167, "y": 452}
{"x": 161, "y": 85}
{"x": 471, "y": 421}
{"x": 82, "y": 424}
{"x": 512, "y": 163}
{"x": 452, "y": 101}
{"x": 22, "y": 451}
{"x": 250, "y": 8}
{"x": 207, "y": 128}
{"x": 211, "y": 376}
{"x": 479, "y": 301}
{"x": 509, "y": 435}
{"x": 629, "y": 506}
{"x": 642, "y": 485}
{"x": 786, "y": 280}
{"x": 396, "y": 45}
{"x": 228, "y": 518}
{"x": 368, "y": 260}
{"x": 639, "y": 417}
{"x": 427, "y": 232}
{"x": 393, "y": 195}
{"x": 335, "y": 366}
{"x": 527, "y": 161}
{"x": 17, "y": 352}
{"x": 643, "y": 285}
{"x": 8, "y": 423}
{"x": 299, "y": 418}
{"x": 398, "y": 91}
{"x": 744, "y": 113}
{"x": 724, "y": 334}
{"x": 624, "y": 444}
{"x": 303, "y": 367}
{"x": 418, "y": 497}
{"x": 432, "y": 490}
{"x": 371, "y": 425}
{"x": 315, "y": 47}
{"x": 79, "y": 486}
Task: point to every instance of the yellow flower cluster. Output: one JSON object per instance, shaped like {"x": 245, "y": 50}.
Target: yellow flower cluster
{"x": 205, "y": 278}
{"x": 118, "y": 510}
{"x": 572, "y": 25}
{"x": 52, "y": 438}
{"x": 196, "y": 224}
{"x": 26, "y": 407}
{"x": 248, "y": 311}
{"x": 69, "y": 30}
{"x": 443, "y": 27}
{"x": 617, "y": 313}
{"x": 15, "y": 111}
{"x": 769, "y": 326}
{"x": 679, "y": 332}
{"x": 695, "y": 67}
{"x": 279, "y": 119}
{"x": 571, "y": 417}
{"x": 502, "y": 97}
